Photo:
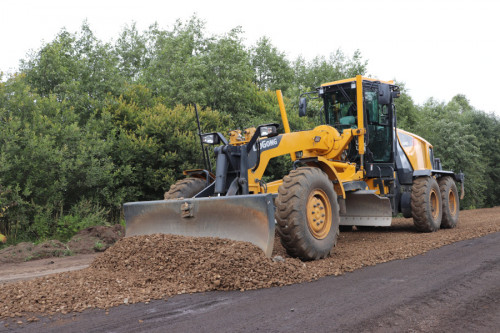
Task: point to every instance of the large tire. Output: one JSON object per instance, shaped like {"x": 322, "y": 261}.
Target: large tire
{"x": 426, "y": 204}
{"x": 307, "y": 213}
{"x": 450, "y": 202}
{"x": 185, "y": 188}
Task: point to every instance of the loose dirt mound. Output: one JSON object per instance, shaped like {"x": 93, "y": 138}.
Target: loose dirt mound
{"x": 90, "y": 240}
{"x": 95, "y": 239}
{"x": 142, "y": 268}
{"x": 29, "y": 251}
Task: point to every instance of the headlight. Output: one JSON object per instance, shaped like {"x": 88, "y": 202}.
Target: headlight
{"x": 210, "y": 139}
{"x": 268, "y": 131}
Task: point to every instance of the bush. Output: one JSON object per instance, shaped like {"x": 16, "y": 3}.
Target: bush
{"x": 81, "y": 216}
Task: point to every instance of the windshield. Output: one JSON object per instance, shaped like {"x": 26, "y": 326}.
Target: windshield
{"x": 340, "y": 106}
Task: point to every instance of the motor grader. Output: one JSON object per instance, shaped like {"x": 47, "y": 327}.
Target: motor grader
{"x": 356, "y": 169}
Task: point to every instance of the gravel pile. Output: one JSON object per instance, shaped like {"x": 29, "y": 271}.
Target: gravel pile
{"x": 142, "y": 268}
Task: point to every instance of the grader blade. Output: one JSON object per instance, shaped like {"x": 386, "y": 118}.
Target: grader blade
{"x": 247, "y": 218}
{"x": 365, "y": 208}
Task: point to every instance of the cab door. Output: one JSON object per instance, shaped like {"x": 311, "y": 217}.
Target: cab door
{"x": 378, "y": 124}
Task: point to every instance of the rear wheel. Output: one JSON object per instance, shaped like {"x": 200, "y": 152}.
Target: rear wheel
{"x": 307, "y": 213}
{"x": 426, "y": 204}
{"x": 185, "y": 188}
{"x": 451, "y": 203}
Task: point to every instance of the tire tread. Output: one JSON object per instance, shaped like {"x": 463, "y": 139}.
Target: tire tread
{"x": 185, "y": 188}
{"x": 291, "y": 226}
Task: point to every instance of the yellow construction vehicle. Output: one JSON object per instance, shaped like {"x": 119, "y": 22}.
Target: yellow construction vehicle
{"x": 355, "y": 169}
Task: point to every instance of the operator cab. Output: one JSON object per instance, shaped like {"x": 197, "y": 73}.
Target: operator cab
{"x": 341, "y": 111}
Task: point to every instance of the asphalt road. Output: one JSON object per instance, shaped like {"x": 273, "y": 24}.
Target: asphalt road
{"x": 452, "y": 289}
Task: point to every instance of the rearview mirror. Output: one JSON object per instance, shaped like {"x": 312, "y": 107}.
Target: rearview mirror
{"x": 302, "y": 107}
{"x": 384, "y": 94}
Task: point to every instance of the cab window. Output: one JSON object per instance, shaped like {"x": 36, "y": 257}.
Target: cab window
{"x": 340, "y": 106}
{"x": 378, "y": 125}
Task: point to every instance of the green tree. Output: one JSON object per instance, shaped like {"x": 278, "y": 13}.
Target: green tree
{"x": 447, "y": 128}
{"x": 309, "y": 75}
{"x": 132, "y": 51}
{"x": 156, "y": 143}
{"x": 49, "y": 161}
{"x": 408, "y": 114}
{"x": 271, "y": 67}
{"x": 175, "y": 70}
{"x": 76, "y": 67}
{"x": 486, "y": 127}
{"x": 229, "y": 73}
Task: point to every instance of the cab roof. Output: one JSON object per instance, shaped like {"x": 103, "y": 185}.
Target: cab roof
{"x": 354, "y": 80}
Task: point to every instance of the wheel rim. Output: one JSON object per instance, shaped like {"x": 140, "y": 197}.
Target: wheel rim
{"x": 452, "y": 202}
{"x": 319, "y": 214}
{"x": 434, "y": 204}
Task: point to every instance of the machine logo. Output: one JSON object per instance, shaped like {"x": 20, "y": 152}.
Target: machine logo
{"x": 268, "y": 143}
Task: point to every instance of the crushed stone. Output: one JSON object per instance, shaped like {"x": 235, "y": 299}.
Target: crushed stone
{"x": 143, "y": 268}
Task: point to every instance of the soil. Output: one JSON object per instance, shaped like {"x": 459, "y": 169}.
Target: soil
{"x": 13, "y": 272}
{"x": 95, "y": 239}
{"x": 143, "y": 268}
{"x": 28, "y": 251}
{"x": 90, "y": 240}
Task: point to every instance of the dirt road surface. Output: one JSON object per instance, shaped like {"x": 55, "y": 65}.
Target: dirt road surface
{"x": 13, "y": 272}
{"x": 457, "y": 288}
{"x": 452, "y": 289}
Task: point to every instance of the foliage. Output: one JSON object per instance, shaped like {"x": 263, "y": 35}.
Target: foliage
{"x": 77, "y": 68}
{"x": 82, "y": 215}
{"x": 309, "y": 75}
{"x": 272, "y": 70}
{"x": 132, "y": 148}
{"x": 464, "y": 139}
{"x": 86, "y": 125}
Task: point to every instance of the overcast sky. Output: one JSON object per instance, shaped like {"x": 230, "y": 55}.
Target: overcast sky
{"x": 438, "y": 48}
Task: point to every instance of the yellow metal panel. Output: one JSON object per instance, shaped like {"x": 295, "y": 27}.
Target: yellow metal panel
{"x": 271, "y": 187}
{"x": 284, "y": 117}
{"x": 321, "y": 142}
{"x": 338, "y": 82}
{"x": 399, "y": 130}
{"x": 361, "y": 125}
{"x": 376, "y": 188}
{"x": 249, "y": 132}
{"x": 416, "y": 149}
{"x": 354, "y": 80}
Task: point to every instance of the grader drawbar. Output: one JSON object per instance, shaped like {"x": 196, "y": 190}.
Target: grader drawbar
{"x": 356, "y": 169}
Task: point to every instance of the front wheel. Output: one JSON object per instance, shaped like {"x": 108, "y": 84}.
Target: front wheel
{"x": 307, "y": 213}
